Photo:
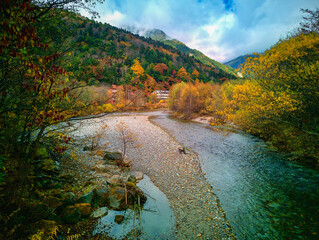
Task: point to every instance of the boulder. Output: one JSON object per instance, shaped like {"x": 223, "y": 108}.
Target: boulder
{"x": 53, "y": 202}
{"x": 138, "y": 175}
{"x": 115, "y": 180}
{"x": 113, "y": 156}
{"x": 71, "y": 214}
{"x": 84, "y": 208}
{"x": 126, "y": 162}
{"x": 86, "y": 198}
{"x": 68, "y": 198}
{"x": 101, "y": 196}
{"x": 54, "y": 217}
{"x": 131, "y": 179}
{"x": 101, "y": 168}
{"x": 117, "y": 198}
{"x": 119, "y": 219}
{"x": 100, "y": 212}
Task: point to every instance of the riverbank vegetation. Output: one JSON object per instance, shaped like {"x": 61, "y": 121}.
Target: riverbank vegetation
{"x": 55, "y": 66}
{"x": 277, "y": 100}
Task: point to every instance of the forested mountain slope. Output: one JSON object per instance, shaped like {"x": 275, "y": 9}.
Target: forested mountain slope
{"x": 108, "y": 54}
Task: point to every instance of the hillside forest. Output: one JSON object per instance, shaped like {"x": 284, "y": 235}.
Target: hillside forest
{"x": 277, "y": 100}
{"x": 57, "y": 65}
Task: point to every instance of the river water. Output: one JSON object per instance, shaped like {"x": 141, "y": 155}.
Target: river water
{"x": 263, "y": 194}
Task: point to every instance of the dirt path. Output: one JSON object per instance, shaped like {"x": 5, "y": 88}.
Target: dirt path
{"x": 178, "y": 176}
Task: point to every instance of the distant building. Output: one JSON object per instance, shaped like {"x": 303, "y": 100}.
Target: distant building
{"x": 240, "y": 75}
{"x": 161, "y": 94}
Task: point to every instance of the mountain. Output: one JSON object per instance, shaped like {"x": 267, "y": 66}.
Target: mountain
{"x": 156, "y": 34}
{"x": 104, "y": 53}
{"x": 159, "y": 35}
{"x": 237, "y": 62}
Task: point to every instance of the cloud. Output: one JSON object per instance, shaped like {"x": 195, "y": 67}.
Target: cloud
{"x": 113, "y": 18}
{"x": 221, "y": 29}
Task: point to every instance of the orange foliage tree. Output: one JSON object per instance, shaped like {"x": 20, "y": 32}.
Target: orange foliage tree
{"x": 161, "y": 68}
{"x": 182, "y": 73}
{"x": 195, "y": 73}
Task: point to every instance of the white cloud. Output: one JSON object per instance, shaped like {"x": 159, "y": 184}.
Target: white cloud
{"x": 113, "y": 18}
{"x": 207, "y": 26}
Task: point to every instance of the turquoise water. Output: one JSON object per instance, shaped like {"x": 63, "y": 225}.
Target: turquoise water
{"x": 263, "y": 194}
{"x": 156, "y": 220}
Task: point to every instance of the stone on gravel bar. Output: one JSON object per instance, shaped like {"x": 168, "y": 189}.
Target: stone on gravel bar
{"x": 138, "y": 175}
{"x": 115, "y": 180}
{"x": 112, "y": 156}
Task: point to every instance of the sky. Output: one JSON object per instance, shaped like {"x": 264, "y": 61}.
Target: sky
{"x": 221, "y": 29}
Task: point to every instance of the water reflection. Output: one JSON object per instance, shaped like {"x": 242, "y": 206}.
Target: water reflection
{"x": 155, "y": 221}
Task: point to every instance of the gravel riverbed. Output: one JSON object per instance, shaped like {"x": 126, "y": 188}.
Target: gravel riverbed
{"x": 178, "y": 176}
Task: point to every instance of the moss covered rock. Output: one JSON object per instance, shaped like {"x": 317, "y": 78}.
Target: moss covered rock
{"x": 84, "y": 208}
{"x": 117, "y": 198}
{"x": 71, "y": 214}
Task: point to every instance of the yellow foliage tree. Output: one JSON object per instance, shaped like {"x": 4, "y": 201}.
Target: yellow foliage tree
{"x": 137, "y": 68}
{"x": 189, "y": 101}
{"x": 292, "y": 65}
{"x": 218, "y": 105}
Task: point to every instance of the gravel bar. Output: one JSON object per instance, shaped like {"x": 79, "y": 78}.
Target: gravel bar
{"x": 178, "y": 176}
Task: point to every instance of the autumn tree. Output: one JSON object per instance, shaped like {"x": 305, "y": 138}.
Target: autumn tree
{"x": 137, "y": 68}
{"x": 288, "y": 73}
{"x": 150, "y": 85}
{"x": 195, "y": 73}
{"x": 173, "y": 72}
{"x": 184, "y": 99}
{"x": 310, "y": 22}
{"x": 182, "y": 73}
{"x": 291, "y": 66}
{"x": 35, "y": 92}
{"x": 161, "y": 68}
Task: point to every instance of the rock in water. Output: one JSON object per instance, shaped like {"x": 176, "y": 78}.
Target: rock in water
{"x": 117, "y": 198}
{"x": 100, "y": 212}
{"x": 119, "y": 219}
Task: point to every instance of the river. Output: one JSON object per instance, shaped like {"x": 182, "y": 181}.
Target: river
{"x": 264, "y": 195}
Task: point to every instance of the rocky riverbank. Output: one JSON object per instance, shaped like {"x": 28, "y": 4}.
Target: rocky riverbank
{"x": 177, "y": 175}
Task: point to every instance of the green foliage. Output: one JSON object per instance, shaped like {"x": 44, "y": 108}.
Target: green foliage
{"x": 35, "y": 93}
{"x": 106, "y": 53}
{"x": 2, "y": 169}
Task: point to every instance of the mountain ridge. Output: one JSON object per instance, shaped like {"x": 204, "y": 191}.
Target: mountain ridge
{"x": 236, "y": 63}
{"x": 105, "y": 53}
{"x": 159, "y": 35}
